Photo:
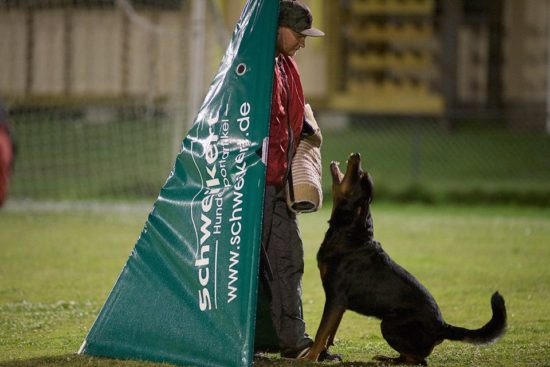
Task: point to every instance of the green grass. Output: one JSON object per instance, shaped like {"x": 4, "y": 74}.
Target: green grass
{"x": 59, "y": 263}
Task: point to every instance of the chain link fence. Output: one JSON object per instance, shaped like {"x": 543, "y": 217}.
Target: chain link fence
{"x": 120, "y": 111}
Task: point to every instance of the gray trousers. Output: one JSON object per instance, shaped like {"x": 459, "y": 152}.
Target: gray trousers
{"x": 285, "y": 253}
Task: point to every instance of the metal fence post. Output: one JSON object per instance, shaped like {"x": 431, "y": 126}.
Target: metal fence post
{"x": 196, "y": 58}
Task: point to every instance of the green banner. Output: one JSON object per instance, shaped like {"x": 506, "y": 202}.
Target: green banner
{"x": 187, "y": 294}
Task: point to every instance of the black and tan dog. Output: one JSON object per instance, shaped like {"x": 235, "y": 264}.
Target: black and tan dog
{"x": 358, "y": 275}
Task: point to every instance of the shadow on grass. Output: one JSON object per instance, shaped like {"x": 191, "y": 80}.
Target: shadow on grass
{"x": 74, "y": 360}
{"x": 263, "y": 361}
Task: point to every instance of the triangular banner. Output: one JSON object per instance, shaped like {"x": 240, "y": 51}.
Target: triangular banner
{"x": 187, "y": 294}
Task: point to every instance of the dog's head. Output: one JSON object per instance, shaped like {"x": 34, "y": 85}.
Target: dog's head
{"x": 351, "y": 192}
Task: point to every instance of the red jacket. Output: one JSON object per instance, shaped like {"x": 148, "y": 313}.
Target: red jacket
{"x": 287, "y": 108}
{"x": 6, "y": 161}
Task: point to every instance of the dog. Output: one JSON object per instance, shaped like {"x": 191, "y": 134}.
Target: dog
{"x": 358, "y": 275}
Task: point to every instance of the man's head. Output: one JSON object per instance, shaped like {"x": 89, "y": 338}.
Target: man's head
{"x": 295, "y": 23}
{"x": 297, "y": 16}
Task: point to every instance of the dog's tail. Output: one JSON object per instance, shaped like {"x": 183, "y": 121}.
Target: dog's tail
{"x": 489, "y": 333}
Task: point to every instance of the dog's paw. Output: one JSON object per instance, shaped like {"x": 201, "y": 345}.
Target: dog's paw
{"x": 330, "y": 357}
{"x": 407, "y": 360}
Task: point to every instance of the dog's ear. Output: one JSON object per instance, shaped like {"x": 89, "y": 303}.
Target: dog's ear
{"x": 362, "y": 213}
{"x": 368, "y": 185}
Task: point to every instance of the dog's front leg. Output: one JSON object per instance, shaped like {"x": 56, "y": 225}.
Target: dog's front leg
{"x": 332, "y": 315}
{"x": 335, "y": 326}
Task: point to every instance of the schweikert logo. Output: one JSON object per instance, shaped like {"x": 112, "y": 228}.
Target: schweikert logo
{"x": 220, "y": 226}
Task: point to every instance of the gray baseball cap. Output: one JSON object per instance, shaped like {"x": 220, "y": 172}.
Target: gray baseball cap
{"x": 297, "y": 16}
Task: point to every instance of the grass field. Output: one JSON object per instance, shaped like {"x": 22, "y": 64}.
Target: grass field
{"x": 60, "y": 261}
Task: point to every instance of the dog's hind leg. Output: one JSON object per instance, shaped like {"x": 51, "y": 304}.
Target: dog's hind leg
{"x": 409, "y": 339}
{"x": 332, "y": 315}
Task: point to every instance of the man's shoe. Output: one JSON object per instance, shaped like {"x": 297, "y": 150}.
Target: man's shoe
{"x": 324, "y": 356}
{"x": 299, "y": 354}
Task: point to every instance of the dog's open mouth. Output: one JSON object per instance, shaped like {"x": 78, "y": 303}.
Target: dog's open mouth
{"x": 353, "y": 170}
{"x": 354, "y": 163}
{"x": 337, "y": 175}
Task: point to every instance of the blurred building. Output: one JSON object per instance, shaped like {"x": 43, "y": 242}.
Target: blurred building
{"x": 449, "y": 59}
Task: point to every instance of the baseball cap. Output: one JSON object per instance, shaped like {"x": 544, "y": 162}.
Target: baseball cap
{"x": 297, "y": 16}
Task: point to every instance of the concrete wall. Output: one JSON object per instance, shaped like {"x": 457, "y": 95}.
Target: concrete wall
{"x": 108, "y": 53}
{"x": 527, "y": 40}
{"x": 89, "y": 53}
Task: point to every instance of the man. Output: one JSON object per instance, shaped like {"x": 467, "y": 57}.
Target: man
{"x": 283, "y": 265}
{"x": 6, "y": 155}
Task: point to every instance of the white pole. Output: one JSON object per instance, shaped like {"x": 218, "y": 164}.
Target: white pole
{"x": 196, "y": 59}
